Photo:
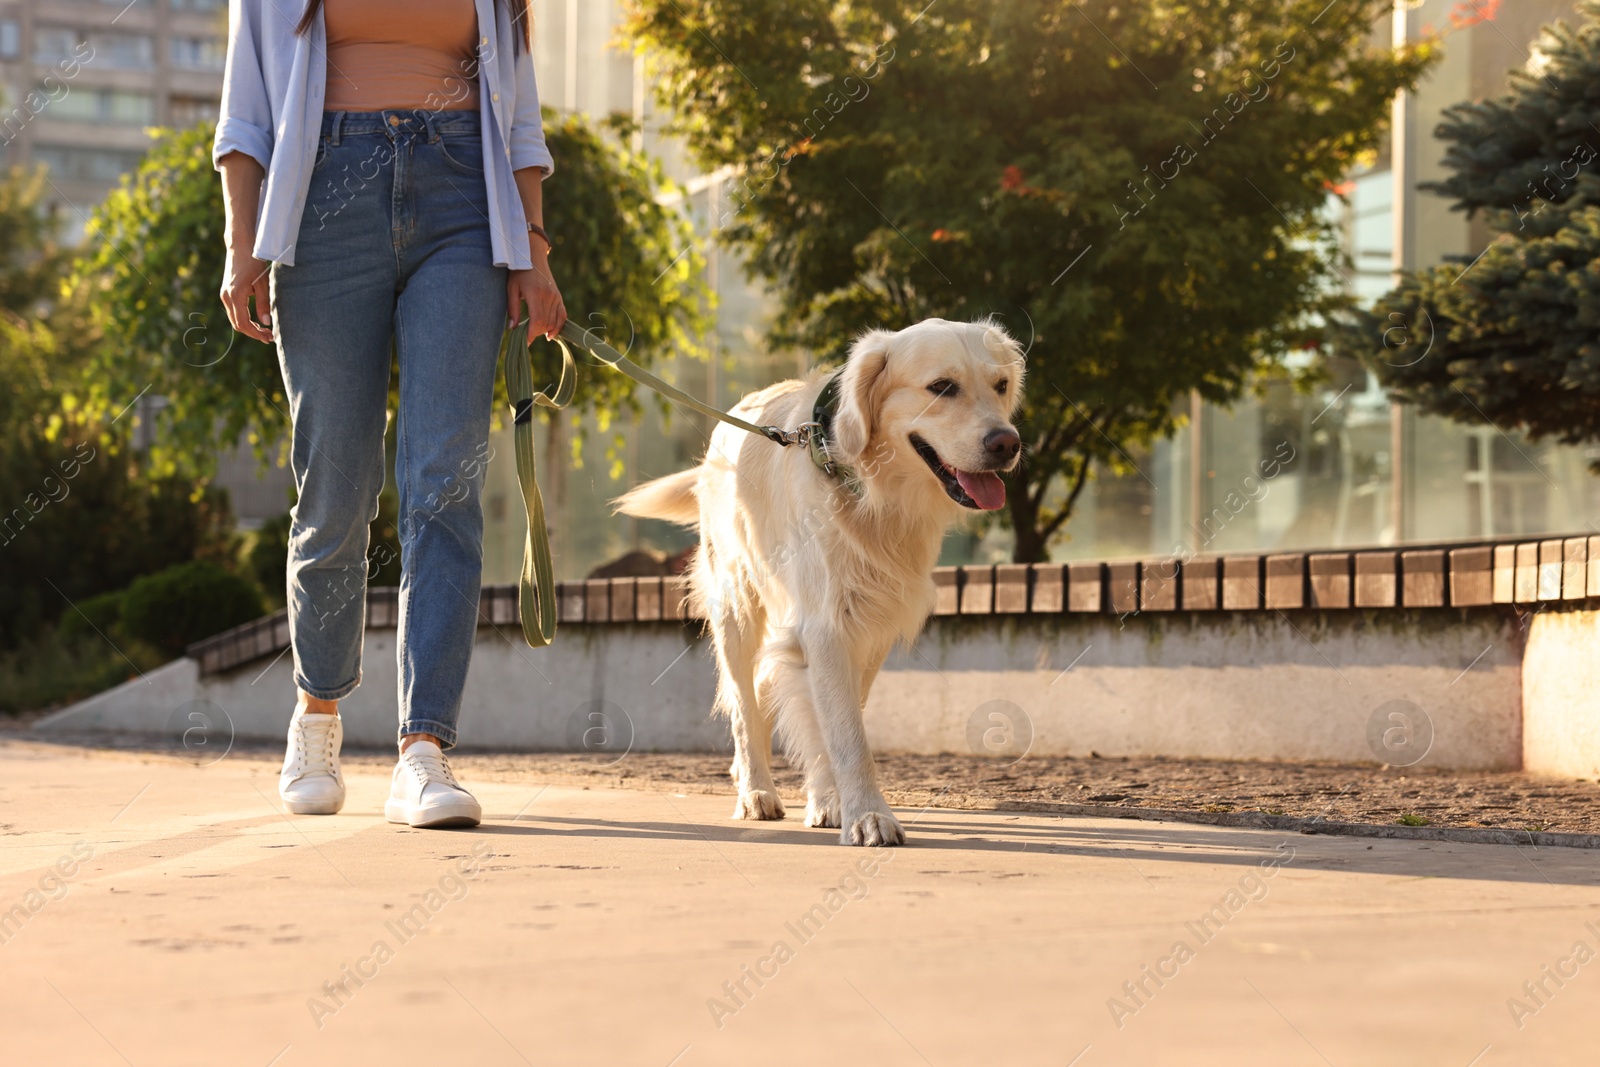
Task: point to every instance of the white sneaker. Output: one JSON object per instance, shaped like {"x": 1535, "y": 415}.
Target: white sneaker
{"x": 425, "y": 794}
{"x": 311, "y": 783}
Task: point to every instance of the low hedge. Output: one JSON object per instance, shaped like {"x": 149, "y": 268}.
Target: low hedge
{"x": 174, "y": 608}
{"x": 100, "y": 615}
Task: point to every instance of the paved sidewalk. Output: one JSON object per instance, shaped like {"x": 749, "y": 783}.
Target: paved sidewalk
{"x": 155, "y": 913}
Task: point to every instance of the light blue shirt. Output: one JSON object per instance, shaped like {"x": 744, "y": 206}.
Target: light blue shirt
{"x": 272, "y": 111}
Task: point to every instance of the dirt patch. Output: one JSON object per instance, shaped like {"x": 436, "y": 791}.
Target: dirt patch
{"x": 1331, "y": 792}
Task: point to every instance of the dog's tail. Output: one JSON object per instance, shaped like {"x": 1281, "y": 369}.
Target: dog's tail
{"x": 671, "y": 499}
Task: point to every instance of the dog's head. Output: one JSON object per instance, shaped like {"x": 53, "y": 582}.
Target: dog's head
{"x": 930, "y": 407}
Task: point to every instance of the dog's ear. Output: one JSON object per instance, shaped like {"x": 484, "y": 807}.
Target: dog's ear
{"x": 861, "y": 388}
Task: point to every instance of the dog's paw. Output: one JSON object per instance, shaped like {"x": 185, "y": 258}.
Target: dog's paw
{"x": 758, "y": 804}
{"x": 875, "y": 828}
{"x": 822, "y": 811}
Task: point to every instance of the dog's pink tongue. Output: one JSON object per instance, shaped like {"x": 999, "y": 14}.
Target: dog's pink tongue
{"x": 985, "y": 488}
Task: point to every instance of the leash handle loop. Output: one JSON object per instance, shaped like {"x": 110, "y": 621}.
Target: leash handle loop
{"x": 536, "y": 588}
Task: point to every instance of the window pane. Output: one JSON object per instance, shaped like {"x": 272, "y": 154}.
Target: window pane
{"x": 99, "y": 105}
{"x": 198, "y": 53}
{"x": 1344, "y": 470}
{"x": 52, "y": 44}
{"x": 123, "y": 51}
{"x": 1465, "y": 481}
{"x": 131, "y": 108}
{"x": 73, "y": 163}
{"x": 189, "y": 110}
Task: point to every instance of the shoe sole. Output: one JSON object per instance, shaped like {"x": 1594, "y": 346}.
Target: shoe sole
{"x": 443, "y": 817}
{"x": 312, "y": 807}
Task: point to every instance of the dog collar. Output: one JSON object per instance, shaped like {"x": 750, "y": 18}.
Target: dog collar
{"x": 822, "y": 432}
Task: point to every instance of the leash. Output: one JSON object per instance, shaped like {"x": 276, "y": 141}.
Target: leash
{"x": 587, "y": 340}
{"x": 536, "y": 590}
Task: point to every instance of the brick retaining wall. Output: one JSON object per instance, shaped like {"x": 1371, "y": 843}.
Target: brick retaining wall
{"x": 1544, "y": 572}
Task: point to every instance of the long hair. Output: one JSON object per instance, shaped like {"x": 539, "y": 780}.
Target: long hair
{"x": 519, "y": 19}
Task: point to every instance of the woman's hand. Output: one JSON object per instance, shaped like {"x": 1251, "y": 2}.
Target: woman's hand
{"x": 244, "y": 277}
{"x": 536, "y": 290}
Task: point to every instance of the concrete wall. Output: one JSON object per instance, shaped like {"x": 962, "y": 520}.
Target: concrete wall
{"x": 1255, "y": 685}
{"x": 1224, "y": 685}
{"x": 649, "y": 683}
{"x": 1561, "y": 695}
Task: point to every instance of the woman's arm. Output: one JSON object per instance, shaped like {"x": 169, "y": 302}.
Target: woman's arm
{"x": 536, "y": 288}
{"x": 244, "y": 277}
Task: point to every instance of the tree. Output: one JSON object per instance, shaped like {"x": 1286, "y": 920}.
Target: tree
{"x": 79, "y": 518}
{"x": 77, "y": 515}
{"x": 154, "y": 275}
{"x": 1514, "y": 337}
{"x": 1134, "y": 188}
{"x": 31, "y": 259}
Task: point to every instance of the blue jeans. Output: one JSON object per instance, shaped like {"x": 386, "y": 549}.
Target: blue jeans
{"x": 394, "y": 243}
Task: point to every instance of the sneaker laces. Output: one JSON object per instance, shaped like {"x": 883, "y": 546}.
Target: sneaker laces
{"x": 314, "y": 752}
{"x": 430, "y": 766}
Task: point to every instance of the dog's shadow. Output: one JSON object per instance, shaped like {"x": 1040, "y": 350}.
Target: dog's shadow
{"x": 1071, "y": 837}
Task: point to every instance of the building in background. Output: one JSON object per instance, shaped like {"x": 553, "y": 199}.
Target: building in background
{"x": 83, "y": 81}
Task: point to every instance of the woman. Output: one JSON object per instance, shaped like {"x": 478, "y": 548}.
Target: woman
{"x": 381, "y": 166}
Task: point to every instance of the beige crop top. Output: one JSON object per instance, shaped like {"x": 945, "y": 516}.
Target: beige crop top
{"x": 401, "y": 54}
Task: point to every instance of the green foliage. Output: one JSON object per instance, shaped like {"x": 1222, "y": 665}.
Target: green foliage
{"x": 56, "y": 668}
{"x": 266, "y": 560}
{"x": 75, "y": 516}
{"x": 176, "y": 607}
{"x": 98, "y": 616}
{"x": 30, "y": 257}
{"x": 1134, "y": 188}
{"x": 154, "y": 277}
{"x": 383, "y": 542}
{"x": 627, "y": 265}
{"x": 1514, "y": 338}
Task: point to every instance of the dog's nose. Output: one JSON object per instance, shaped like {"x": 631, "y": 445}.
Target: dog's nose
{"x": 1003, "y": 444}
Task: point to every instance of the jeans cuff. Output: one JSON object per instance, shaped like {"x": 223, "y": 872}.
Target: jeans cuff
{"x": 336, "y": 693}
{"x": 446, "y": 734}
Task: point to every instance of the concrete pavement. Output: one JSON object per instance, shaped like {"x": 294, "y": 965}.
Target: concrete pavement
{"x": 152, "y": 912}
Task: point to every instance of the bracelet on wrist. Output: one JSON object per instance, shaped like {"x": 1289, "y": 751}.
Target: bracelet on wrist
{"x": 534, "y": 227}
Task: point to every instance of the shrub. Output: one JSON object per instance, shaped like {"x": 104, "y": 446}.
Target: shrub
{"x": 79, "y": 515}
{"x": 383, "y": 543}
{"x": 180, "y": 605}
{"x": 267, "y": 558}
{"x": 96, "y": 616}
{"x": 56, "y": 668}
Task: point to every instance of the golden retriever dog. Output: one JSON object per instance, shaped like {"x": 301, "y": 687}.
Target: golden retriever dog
{"x": 808, "y": 577}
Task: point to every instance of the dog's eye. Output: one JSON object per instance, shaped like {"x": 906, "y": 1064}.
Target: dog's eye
{"x": 1000, "y": 386}
{"x": 944, "y": 387}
